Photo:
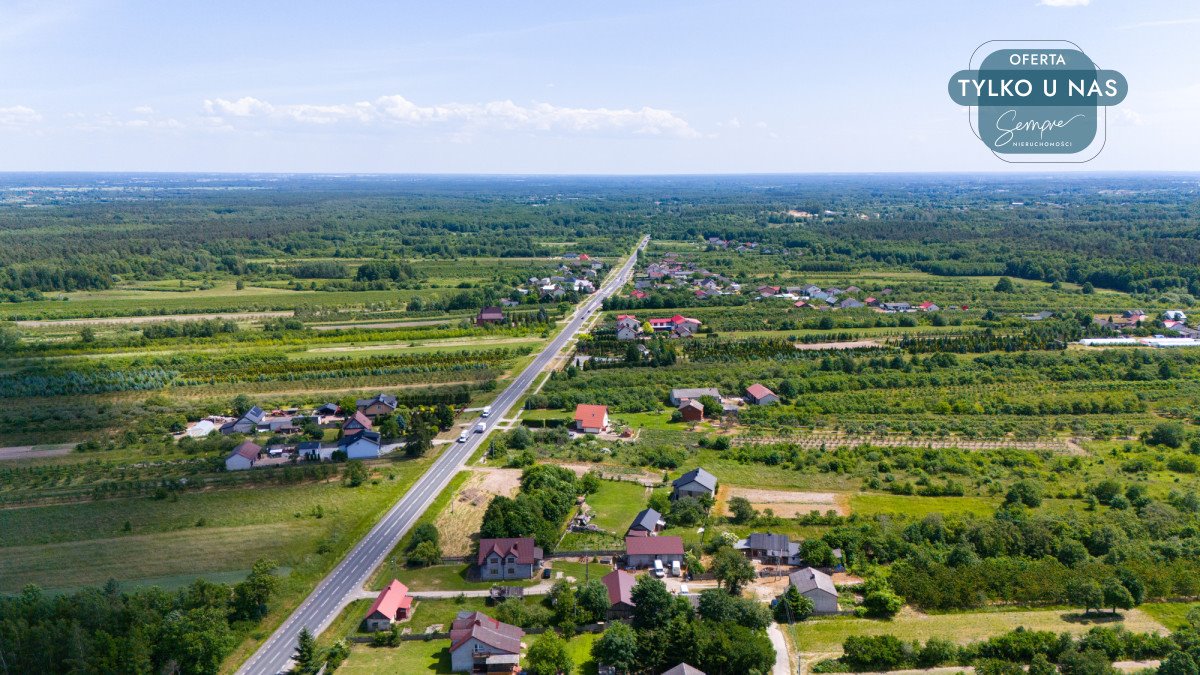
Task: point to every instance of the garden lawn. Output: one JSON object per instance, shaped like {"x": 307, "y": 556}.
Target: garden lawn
{"x": 451, "y": 577}
{"x": 580, "y": 649}
{"x": 410, "y": 657}
{"x": 616, "y": 503}
{"x": 825, "y": 635}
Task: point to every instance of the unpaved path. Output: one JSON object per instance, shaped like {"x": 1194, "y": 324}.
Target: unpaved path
{"x": 388, "y": 324}
{"x": 35, "y": 451}
{"x": 49, "y": 323}
{"x": 787, "y": 503}
{"x": 850, "y": 344}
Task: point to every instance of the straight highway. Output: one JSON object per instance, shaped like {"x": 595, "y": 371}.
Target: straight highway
{"x": 343, "y": 584}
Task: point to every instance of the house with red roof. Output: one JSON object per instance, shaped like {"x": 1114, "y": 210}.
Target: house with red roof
{"x": 928, "y": 306}
{"x": 640, "y": 295}
{"x": 508, "y": 558}
{"x": 481, "y": 644}
{"x": 391, "y": 605}
{"x": 591, "y": 419}
{"x": 678, "y": 325}
{"x": 356, "y": 424}
{"x": 757, "y": 394}
{"x": 244, "y": 456}
{"x": 620, "y": 593}
{"x": 643, "y": 551}
{"x": 767, "y": 291}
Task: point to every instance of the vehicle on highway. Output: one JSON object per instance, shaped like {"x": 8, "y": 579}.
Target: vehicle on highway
{"x": 487, "y": 410}
{"x": 462, "y": 438}
{"x": 480, "y": 428}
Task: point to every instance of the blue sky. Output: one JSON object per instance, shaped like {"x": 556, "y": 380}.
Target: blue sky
{"x": 556, "y": 87}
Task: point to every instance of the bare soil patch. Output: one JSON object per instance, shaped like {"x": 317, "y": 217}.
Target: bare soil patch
{"x": 786, "y": 503}
{"x": 462, "y": 517}
{"x": 851, "y": 344}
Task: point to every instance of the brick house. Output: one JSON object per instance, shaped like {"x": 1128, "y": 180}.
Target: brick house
{"x": 508, "y": 558}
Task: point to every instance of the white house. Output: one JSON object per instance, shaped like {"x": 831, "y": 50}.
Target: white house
{"x": 364, "y": 445}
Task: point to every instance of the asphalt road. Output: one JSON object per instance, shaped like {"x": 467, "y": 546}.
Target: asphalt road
{"x": 342, "y": 584}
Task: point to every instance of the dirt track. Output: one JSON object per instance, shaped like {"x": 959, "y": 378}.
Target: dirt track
{"x": 151, "y": 319}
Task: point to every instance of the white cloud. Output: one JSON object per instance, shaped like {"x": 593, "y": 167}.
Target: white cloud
{"x": 1065, "y": 3}
{"x": 143, "y": 110}
{"x": 18, "y": 115}
{"x": 505, "y": 114}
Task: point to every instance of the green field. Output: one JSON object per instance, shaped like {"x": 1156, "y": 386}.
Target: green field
{"x": 615, "y": 504}
{"x": 1173, "y": 615}
{"x": 824, "y": 636}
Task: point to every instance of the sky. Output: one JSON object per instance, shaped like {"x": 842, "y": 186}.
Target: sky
{"x": 558, "y": 87}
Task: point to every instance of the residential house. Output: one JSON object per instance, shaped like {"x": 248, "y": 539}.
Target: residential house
{"x": 327, "y": 410}
{"x": 679, "y": 325}
{"x": 628, "y": 327}
{"x": 895, "y": 307}
{"x": 489, "y": 315}
{"x": 871, "y": 302}
{"x": 695, "y": 483}
{"x": 381, "y": 404}
{"x": 680, "y": 395}
{"x": 767, "y": 291}
{"x": 481, "y": 644}
{"x": 1174, "y": 315}
{"x": 818, "y": 587}
{"x": 691, "y": 410}
{"x": 244, "y": 456}
{"x": 246, "y": 424}
{"x": 620, "y": 593}
{"x": 928, "y": 306}
{"x": 355, "y": 424}
{"x": 363, "y": 445}
{"x": 853, "y": 289}
{"x": 509, "y": 558}
{"x": 591, "y": 419}
{"x": 310, "y": 450}
{"x": 1040, "y": 316}
{"x": 683, "y": 669}
{"x": 810, "y": 290}
{"x": 638, "y": 295}
{"x": 643, "y": 551}
{"x": 850, "y": 303}
{"x": 775, "y": 549}
{"x": 757, "y": 394}
{"x": 648, "y": 521}
{"x": 391, "y": 605}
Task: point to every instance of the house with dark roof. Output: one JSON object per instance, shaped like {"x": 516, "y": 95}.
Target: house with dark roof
{"x": 620, "y": 593}
{"x": 643, "y": 551}
{"x": 648, "y": 521}
{"x": 773, "y": 549}
{"x": 695, "y": 483}
{"x": 818, "y": 587}
{"x": 309, "y": 449}
{"x": 481, "y": 644}
{"x": 363, "y": 445}
{"x": 508, "y": 558}
{"x": 392, "y": 604}
{"x": 591, "y": 419}
{"x": 381, "y": 404}
{"x": 244, "y": 456}
{"x": 246, "y": 424}
{"x": 489, "y": 315}
{"x": 757, "y": 394}
{"x": 327, "y": 410}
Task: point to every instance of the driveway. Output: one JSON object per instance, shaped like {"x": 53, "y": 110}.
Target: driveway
{"x": 782, "y": 661}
